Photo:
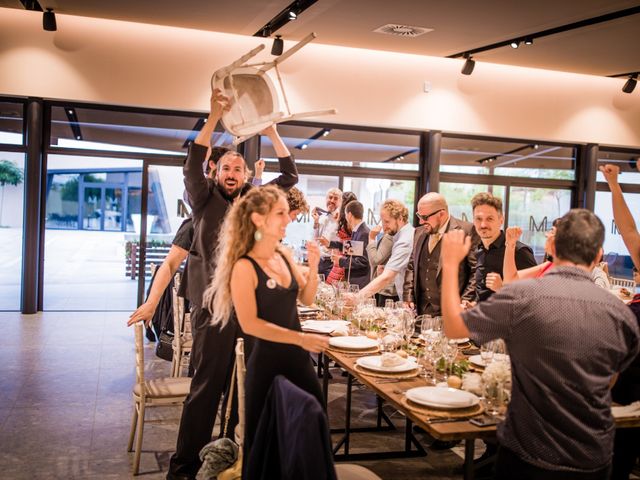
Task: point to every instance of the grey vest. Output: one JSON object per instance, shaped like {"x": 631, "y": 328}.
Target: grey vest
{"x": 428, "y": 288}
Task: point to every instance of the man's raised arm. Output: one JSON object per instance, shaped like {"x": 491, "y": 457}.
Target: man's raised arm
{"x": 288, "y": 171}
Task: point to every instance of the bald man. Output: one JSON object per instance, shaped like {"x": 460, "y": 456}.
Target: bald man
{"x": 423, "y": 276}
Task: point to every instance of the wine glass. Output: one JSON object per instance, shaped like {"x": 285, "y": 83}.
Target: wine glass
{"x": 321, "y": 278}
{"x": 494, "y": 396}
{"x": 450, "y": 352}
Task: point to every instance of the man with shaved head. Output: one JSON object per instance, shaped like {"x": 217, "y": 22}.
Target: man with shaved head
{"x": 423, "y": 275}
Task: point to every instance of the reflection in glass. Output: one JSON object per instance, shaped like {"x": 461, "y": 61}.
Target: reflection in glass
{"x": 91, "y": 209}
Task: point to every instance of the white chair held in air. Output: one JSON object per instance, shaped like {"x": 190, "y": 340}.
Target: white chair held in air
{"x": 150, "y": 393}
{"x": 255, "y": 104}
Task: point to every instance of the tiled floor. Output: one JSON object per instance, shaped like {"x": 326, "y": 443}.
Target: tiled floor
{"x": 65, "y": 405}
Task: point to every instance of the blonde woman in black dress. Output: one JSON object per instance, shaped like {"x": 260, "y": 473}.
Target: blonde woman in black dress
{"x": 259, "y": 277}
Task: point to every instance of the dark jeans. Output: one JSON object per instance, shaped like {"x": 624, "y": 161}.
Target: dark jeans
{"x": 509, "y": 466}
{"x": 212, "y": 356}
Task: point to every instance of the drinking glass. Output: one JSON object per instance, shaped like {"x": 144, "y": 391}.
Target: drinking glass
{"x": 388, "y": 304}
{"x": 321, "y": 278}
{"x": 486, "y": 352}
{"x": 450, "y": 352}
{"x": 494, "y": 397}
{"x": 354, "y": 289}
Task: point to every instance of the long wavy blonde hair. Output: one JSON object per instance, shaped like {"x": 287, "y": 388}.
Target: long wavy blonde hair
{"x": 236, "y": 239}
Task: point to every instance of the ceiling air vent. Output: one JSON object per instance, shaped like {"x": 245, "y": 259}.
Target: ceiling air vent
{"x": 402, "y": 30}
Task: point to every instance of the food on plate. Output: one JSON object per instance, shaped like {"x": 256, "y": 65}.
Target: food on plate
{"x": 372, "y": 335}
{"x": 625, "y": 292}
{"x": 454, "y": 381}
{"x": 391, "y": 360}
{"x": 339, "y": 333}
{"x": 402, "y": 353}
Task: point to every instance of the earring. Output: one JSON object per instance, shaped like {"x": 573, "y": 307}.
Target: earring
{"x": 257, "y": 235}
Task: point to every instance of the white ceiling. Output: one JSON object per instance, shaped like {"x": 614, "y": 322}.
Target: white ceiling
{"x": 605, "y": 49}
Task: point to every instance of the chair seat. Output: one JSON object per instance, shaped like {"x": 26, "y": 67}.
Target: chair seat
{"x": 350, "y": 471}
{"x": 165, "y": 387}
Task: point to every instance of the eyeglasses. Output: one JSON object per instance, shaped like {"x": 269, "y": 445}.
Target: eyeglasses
{"x": 424, "y": 218}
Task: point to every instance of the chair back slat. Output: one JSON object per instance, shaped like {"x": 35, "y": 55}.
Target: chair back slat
{"x": 241, "y": 372}
{"x": 623, "y": 282}
{"x": 139, "y": 356}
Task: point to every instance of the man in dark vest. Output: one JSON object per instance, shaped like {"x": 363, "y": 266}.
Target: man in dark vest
{"x": 423, "y": 276}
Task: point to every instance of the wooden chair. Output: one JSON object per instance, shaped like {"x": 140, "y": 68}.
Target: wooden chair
{"x": 150, "y": 393}
{"x": 255, "y": 103}
{"x": 623, "y": 282}
{"x": 182, "y": 339}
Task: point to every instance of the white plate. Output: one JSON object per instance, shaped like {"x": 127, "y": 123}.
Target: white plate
{"x": 353, "y": 343}
{"x": 323, "y": 326}
{"x": 442, "y": 397}
{"x": 460, "y": 340}
{"x": 374, "y": 363}
{"x": 477, "y": 359}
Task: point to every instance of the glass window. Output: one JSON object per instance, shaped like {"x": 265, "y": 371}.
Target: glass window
{"x": 348, "y": 148}
{"x": 628, "y": 162}
{"x": 459, "y": 197}
{"x": 616, "y": 253}
{"x": 534, "y": 210}
{"x": 511, "y": 159}
{"x": 93, "y": 129}
{"x": 11, "y": 123}
{"x": 11, "y": 213}
{"x": 372, "y": 192}
{"x": 88, "y": 228}
{"x": 315, "y": 189}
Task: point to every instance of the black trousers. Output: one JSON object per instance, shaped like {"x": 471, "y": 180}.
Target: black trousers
{"x": 212, "y": 355}
{"x": 380, "y": 299}
{"x": 626, "y": 451}
{"x": 509, "y": 466}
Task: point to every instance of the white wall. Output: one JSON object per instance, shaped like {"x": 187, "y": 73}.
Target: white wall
{"x": 123, "y": 63}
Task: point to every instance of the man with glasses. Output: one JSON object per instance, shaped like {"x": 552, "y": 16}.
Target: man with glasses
{"x": 423, "y": 276}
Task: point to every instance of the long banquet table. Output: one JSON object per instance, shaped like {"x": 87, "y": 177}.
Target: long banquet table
{"x": 392, "y": 393}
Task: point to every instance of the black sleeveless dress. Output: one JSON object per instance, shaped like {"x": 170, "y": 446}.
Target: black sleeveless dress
{"x": 276, "y": 304}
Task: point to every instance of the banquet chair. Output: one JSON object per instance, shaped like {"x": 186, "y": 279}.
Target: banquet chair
{"x": 255, "y": 102}
{"x": 241, "y": 373}
{"x": 182, "y": 339}
{"x": 623, "y": 282}
{"x": 150, "y": 393}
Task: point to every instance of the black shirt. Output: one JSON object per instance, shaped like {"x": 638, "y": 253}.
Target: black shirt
{"x": 184, "y": 235}
{"x": 491, "y": 260}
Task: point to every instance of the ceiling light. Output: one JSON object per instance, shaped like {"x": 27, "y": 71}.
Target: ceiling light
{"x": 292, "y": 15}
{"x": 515, "y": 44}
{"x": 326, "y": 132}
{"x": 278, "y": 45}
{"x": 528, "y": 41}
{"x": 468, "y": 66}
{"x": 630, "y": 85}
{"x": 304, "y": 146}
{"x": 49, "y": 20}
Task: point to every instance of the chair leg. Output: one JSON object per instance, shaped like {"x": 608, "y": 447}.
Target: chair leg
{"x": 134, "y": 422}
{"x": 175, "y": 360}
{"x": 140, "y": 429}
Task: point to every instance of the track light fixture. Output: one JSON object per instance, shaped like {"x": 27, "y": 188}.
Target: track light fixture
{"x": 292, "y": 15}
{"x": 288, "y": 14}
{"x": 515, "y": 43}
{"x": 469, "y": 65}
{"x": 278, "y": 45}
{"x": 528, "y": 41}
{"x": 630, "y": 84}
{"x": 49, "y": 20}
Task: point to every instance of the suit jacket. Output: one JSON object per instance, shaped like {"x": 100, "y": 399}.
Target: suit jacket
{"x": 466, "y": 272}
{"x": 209, "y": 206}
{"x": 359, "y": 274}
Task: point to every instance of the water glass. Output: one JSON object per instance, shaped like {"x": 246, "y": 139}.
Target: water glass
{"x": 450, "y": 352}
{"x": 487, "y": 351}
{"x": 494, "y": 397}
{"x": 321, "y": 278}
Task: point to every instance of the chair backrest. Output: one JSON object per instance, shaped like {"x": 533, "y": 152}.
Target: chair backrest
{"x": 623, "y": 282}
{"x": 139, "y": 356}
{"x": 241, "y": 372}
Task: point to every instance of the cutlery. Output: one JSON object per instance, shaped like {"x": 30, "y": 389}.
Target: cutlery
{"x": 447, "y": 420}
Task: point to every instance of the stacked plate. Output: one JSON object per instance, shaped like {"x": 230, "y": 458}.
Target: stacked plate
{"x": 438, "y": 397}
{"x": 374, "y": 363}
{"x": 480, "y": 362}
{"x": 324, "y": 326}
{"x": 353, "y": 343}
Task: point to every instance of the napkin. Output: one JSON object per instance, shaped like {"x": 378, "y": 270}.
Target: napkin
{"x": 631, "y": 410}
